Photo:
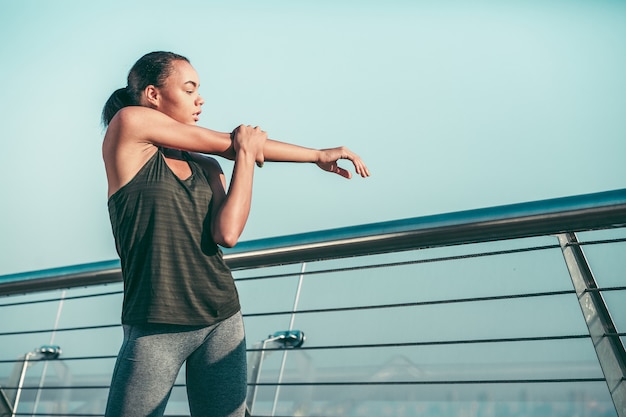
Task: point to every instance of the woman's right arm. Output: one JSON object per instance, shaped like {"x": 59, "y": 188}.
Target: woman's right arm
{"x": 137, "y": 125}
{"x": 135, "y": 130}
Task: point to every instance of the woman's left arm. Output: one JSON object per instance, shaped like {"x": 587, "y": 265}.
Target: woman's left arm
{"x": 231, "y": 207}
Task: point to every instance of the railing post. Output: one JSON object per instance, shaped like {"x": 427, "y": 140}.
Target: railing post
{"x": 606, "y": 342}
{"x": 6, "y": 406}
{"x": 296, "y": 301}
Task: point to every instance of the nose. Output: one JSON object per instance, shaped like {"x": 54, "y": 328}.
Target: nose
{"x": 199, "y": 100}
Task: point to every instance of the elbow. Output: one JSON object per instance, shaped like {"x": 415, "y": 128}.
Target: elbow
{"x": 226, "y": 240}
{"x": 228, "y": 243}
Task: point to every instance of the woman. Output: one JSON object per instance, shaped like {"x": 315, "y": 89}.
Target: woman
{"x": 170, "y": 209}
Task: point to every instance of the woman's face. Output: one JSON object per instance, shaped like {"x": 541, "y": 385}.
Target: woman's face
{"x": 179, "y": 97}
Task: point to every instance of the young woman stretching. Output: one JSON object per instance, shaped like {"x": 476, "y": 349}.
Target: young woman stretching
{"x": 170, "y": 210}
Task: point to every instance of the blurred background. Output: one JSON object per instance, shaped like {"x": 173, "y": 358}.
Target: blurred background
{"x": 453, "y": 105}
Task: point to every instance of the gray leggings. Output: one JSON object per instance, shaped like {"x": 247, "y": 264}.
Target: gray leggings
{"x": 151, "y": 357}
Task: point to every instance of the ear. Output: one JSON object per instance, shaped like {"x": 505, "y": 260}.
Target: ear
{"x": 151, "y": 96}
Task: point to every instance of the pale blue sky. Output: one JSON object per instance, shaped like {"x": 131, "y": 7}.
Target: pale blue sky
{"x": 453, "y": 105}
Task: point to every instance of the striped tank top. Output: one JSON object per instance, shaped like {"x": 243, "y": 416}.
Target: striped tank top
{"x": 173, "y": 271}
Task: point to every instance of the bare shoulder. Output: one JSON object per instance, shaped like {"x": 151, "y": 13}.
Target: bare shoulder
{"x": 122, "y": 137}
{"x": 123, "y": 153}
{"x": 131, "y": 119}
{"x": 122, "y": 127}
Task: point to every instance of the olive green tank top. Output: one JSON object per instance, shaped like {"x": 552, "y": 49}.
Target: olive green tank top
{"x": 173, "y": 271}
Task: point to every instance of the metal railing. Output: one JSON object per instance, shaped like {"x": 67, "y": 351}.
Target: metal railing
{"x": 562, "y": 217}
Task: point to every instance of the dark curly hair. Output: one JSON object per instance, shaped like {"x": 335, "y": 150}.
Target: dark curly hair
{"x": 151, "y": 69}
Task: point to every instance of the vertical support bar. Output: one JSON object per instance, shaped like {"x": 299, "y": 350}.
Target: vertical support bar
{"x": 51, "y": 343}
{"x": 296, "y": 301}
{"x": 606, "y": 342}
{"x": 257, "y": 364}
{"x": 6, "y": 408}
{"x": 20, "y": 383}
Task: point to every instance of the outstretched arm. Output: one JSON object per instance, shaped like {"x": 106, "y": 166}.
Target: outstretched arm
{"x": 142, "y": 125}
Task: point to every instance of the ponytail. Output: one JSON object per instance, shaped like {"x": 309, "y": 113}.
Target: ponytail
{"x": 151, "y": 69}
{"x": 118, "y": 100}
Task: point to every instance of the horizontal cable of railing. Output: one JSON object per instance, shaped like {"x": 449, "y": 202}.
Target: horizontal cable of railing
{"x": 56, "y": 299}
{"x": 323, "y": 271}
{"x": 355, "y": 383}
{"x": 354, "y": 308}
{"x": 429, "y": 382}
{"x": 401, "y": 263}
{"x": 82, "y": 415}
{"x": 331, "y": 309}
{"x": 359, "y": 346}
{"x": 577, "y": 213}
{"x": 351, "y": 308}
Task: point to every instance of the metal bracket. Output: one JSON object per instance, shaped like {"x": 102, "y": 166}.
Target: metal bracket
{"x": 9, "y": 403}
{"x": 287, "y": 339}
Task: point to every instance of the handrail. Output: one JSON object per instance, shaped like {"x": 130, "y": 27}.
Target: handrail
{"x": 566, "y": 214}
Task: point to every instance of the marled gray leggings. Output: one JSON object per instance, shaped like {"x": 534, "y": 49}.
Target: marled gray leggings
{"x": 151, "y": 357}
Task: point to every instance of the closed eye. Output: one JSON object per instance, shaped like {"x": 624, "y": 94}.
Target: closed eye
{"x": 191, "y": 84}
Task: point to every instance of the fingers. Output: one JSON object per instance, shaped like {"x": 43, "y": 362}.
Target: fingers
{"x": 252, "y": 140}
{"x": 344, "y": 173}
{"x": 358, "y": 163}
{"x": 359, "y": 166}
